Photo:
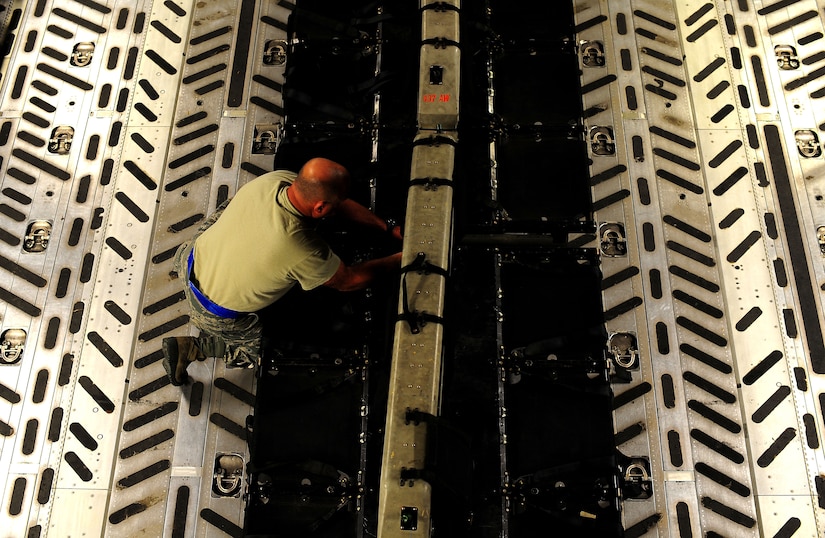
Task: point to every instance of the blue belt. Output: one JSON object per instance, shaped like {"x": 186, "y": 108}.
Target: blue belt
{"x": 211, "y": 307}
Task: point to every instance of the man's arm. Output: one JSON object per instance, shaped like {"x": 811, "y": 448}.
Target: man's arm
{"x": 359, "y": 276}
{"x": 355, "y": 212}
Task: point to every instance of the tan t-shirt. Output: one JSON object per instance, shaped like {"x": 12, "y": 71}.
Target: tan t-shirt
{"x": 260, "y": 247}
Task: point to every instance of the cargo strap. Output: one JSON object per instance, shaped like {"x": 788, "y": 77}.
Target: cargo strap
{"x": 432, "y": 183}
{"x": 414, "y": 318}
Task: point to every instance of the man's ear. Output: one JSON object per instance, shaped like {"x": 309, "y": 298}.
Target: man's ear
{"x": 320, "y": 209}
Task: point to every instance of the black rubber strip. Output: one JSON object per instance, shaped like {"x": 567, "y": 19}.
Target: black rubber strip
{"x": 212, "y": 86}
{"x": 744, "y": 96}
{"x": 146, "y": 360}
{"x": 196, "y": 399}
{"x": 630, "y": 94}
{"x": 723, "y": 155}
{"x": 65, "y": 77}
{"x": 161, "y": 62}
{"x": 717, "y": 90}
{"x": 50, "y": 341}
{"x": 167, "y": 32}
{"x": 661, "y": 92}
{"x": 163, "y": 328}
{"x": 29, "y": 437}
{"x": 122, "y": 17}
{"x": 105, "y": 349}
{"x": 131, "y": 206}
{"x": 114, "y": 134}
{"x": 44, "y": 490}
{"x": 742, "y": 248}
{"x": 722, "y": 479}
{"x": 782, "y": 4}
{"x": 83, "y": 436}
{"x": 694, "y": 17}
{"x": 194, "y": 77}
{"x": 683, "y": 520}
{"x": 631, "y": 432}
{"x": 596, "y": 84}
{"x": 668, "y": 391}
{"x": 771, "y": 403}
{"x": 180, "y": 513}
{"x": 640, "y": 528}
{"x": 76, "y": 321}
{"x": 790, "y": 23}
{"x": 114, "y": 56}
{"x": 194, "y": 135}
{"x": 186, "y": 159}
{"x": 234, "y": 390}
{"x": 687, "y": 228}
{"x": 611, "y": 199}
{"x": 55, "y": 426}
{"x": 150, "y": 416}
{"x": 662, "y": 339}
{"x": 747, "y": 320}
{"x": 761, "y": 84}
{"x": 105, "y": 95}
{"x": 117, "y": 312}
{"x": 65, "y": 276}
{"x": 779, "y": 271}
{"x": 722, "y": 113}
{"x": 679, "y": 181}
{"x": 5, "y": 429}
{"x": 45, "y": 166}
{"x": 702, "y": 30}
{"x": 12, "y": 213}
{"x": 697, "y": 303}
{"x": 714, "y": 416}
{"x": 762, "y": 367}
{"x": 131, "y": 63}
{"x": 731, "y": 218}
{"x": 667, "y": 77}
{"x": 140, "y": 175}
{"x": 142, "y": 143}
{"x": 17, "y": 494}
{"x": 78, "y": 466}
{"x": 205, "y": 55}
{"x": 710, "y": 388}
{"x": 674, "y": 445}
{"x": 619, "y": 277}
{"x": 776, "y": 447}
{"x": 143, "y": 391}
{"x": 65, "y": 373}
{"x": 690, "y": 253}
{"x": 631, "y": 394}
{"x": 717, "y": 446}
{"x": 653, "y": 53}
{"x": 607, "y": 174}
{"x": 58, "y": 31}
{"x": 622, "y": 308}
{"x": 210, "y": 35}
{"x": 243, "y": 34}
{"x": 22, "y": 272}
{"x": 145, "y": 444}
{"x": 655, "y": 279}
{"x": 181, "y": 225}
{"x": 80, "y": 21}
{"x": 228, "y": 425}
{"x": 676, "y": 159}
{"x": 217, "y": 520}
{"x": 796, "y": 247}
{"x": 187, "y": 179}
{"x": 584, "y": 25}
{"x": 648, "y": 237}
{"x": 701, "y": 331}
{"x": 810, "y": 38}
{"x": 40, "y": 385}
{"x": 667, "y": 25}
{"x": 21, "y": 176}
{"x": 709, "y": 69}
{"x": 267, "y": 105}
{"x": 19, "y": 303}
{"x": 144, "y": 474}
{"x": 133, "y": 509}
{"x": 789, "y": 528}
{"x": 811, "y": 437}
{"x": 97, "y": 395}
{"x": 790, "y": 323}
{"x": 146, "y": 112}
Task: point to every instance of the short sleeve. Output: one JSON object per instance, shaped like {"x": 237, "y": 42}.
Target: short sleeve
{"x": 316, "y": 269}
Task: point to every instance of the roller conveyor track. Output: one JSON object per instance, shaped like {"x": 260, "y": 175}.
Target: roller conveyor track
{"x": 613, "y": 287}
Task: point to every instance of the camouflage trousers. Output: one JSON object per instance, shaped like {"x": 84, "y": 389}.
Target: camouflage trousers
{"x": 237, "y": 341}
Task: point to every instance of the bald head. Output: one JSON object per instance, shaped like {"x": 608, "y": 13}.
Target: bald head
{"x": 320, "y": 186}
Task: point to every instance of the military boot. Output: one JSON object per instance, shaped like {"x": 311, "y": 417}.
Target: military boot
{"x": 178, "y": 352}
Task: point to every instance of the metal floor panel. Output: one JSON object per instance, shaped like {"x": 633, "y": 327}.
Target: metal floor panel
{"x": 714, "y": 186}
